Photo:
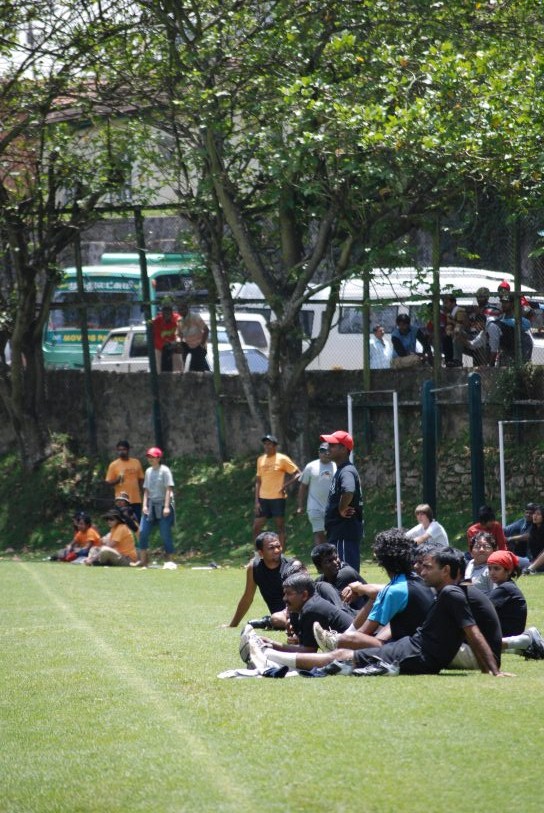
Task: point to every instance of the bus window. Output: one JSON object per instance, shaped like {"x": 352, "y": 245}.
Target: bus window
{"x": 171, "y": 283}
{"x": 351, "y": 320}
{"x": 105, "y": 310}
{"x": 385, "y": 316}
{"x": 306, "y": 319}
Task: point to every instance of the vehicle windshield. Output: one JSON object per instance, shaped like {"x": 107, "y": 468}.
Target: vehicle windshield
{"x": 105, "y": 310}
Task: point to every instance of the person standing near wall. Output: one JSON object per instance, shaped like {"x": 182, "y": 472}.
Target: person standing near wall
{"x": 313, "y": 491}
{"x": 158, "y": 505}
{"x": 270, "y": 493}
{"x": 126, "y": 475}
{"x": 344, "y": 512}
{"x": 164, "y": 339}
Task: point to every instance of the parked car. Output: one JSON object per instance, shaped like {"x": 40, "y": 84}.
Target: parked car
{"x": 125, "y": 351}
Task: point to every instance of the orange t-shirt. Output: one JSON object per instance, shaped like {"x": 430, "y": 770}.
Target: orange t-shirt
{"x": 132, "y": 472}
{"x": 123, "y": 541}
{"x": 88, "y": 537}
{"x": 272, "y": 471}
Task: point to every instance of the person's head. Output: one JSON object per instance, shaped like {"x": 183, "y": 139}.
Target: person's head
{"x": 326, "y": 560}
{"x": 340, "y": 445}
{"x": 529, "y": 511}
{"x": 449, "y": 302}
{"x": 294, "y": 568}
{"x": 297, "y": 590}
{"x": 482, "y": 296}
{"x": 504, "y": 287}
{"x": 486, "y": 515}
{"x": 507, "y": 303}
{"x": 394, "y": 551}
{"x": 123, "y": 449}
{"x": 419, "y": 552}
{"x": 324, "y": 452}
{"x": 423, "y": 512}
{"x": 538, "y": 515}
{"x": 167, "y": 309}
{"x": 503, "y": 565}
{"x": 114, "y": 517}
{"x": 183, "y": 308}
{"x": 443, "y": 566}
{"x": 378, "y": 331}
{"x": 154, "y": 456}
{"x": 403, "y": 323}
{"x": 122, "y": 500}
{"x": 83, "y": 521}
{"x": 270, "y": 444}
{"x": 268, "y": 546}
{"x": 483, "y": 546}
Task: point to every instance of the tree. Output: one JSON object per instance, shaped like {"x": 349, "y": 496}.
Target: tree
{"x": 307, "y": 138}
{"x": 51, "y": 176}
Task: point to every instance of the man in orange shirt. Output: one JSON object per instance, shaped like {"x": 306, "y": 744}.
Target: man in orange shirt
{"x": 164, "y": 339}
{"x": 126, "y": 476}
{"x": 270, "y": 493}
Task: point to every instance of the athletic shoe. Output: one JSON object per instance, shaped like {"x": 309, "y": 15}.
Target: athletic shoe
{"x": 245, "y": 636}
{"x": 263, "y": 623}
{"x": 326, "y": 639}
{"x": 257, "y": 654}
{"x": 528, "y": 572}
{"x": 380, "y": 668}
{"x": 334, "y": 668}
{"x": 535, "y": 650}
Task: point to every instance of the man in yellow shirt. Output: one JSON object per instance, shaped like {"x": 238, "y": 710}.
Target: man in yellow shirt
{"x": 126, "y": 476}
{"x": 270, "y": 489}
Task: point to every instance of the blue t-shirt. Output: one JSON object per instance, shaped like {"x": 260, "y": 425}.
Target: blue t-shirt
{"x": 403, "y": 603}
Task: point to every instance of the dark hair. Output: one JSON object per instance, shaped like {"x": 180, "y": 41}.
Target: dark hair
{"x": 300, "y": 582}
{"x": 427, "y": 548}
{"x": 320, "y": 551}
{"x": 403, "y": 317}
{"x": 83, "y": 516}
{"x": 261, "y": 539}
{"x": 114, "y": 513}
{"x": 452, "y": 557}
{"x": 394, "y": 551}
{"x": 486, "y": 513}
{"x": 486, "y": 537}
{"x": 124, "y": 443}
{"x": 295, "y": 567}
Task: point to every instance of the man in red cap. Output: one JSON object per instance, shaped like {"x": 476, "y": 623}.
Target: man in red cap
{"x": 344, "y": 511}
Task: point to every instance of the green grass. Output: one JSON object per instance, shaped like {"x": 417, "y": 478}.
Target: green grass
{"x": 110, "y": 702}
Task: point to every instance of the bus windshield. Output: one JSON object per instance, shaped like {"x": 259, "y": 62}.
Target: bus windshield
{"x": 106, "y": 310}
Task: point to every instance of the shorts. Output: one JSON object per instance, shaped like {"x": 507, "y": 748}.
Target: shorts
{"x": 403, "y": 652}
{"x": 317, "y": 520}
{"x": 272, "y": 508}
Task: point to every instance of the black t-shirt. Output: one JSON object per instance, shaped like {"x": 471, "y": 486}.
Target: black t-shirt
{"x": 270, "y": 582}
{"x": 486, "y": 618}
{"x": 511, "y": 607}
{"x": 345, "y": 576}
{"x": 442, "y": 632}
{"x": 329, "y": 616}
{"x": 421, "y": 600}
{"x": 346, "y": 479}
{"x": 536, "y": 541}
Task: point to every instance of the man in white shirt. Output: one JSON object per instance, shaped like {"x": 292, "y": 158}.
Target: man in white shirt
{"x": 380, "y": 351}
{"x": 314, "y": 486}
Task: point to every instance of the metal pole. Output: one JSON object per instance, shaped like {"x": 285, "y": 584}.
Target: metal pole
{"x": 437, "y": 347}
{"x": 397, "y": 457}
{"x": 476, "y": 442}
{"x": 146, "y": 296}
{"x": 88, "y": 385}
{"x": 350, "y": 421}
{"x": 428, "y": 430}
{"x": 502, "y": 473}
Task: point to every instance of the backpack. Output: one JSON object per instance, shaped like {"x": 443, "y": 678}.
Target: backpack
{"x": 507, "y": 342}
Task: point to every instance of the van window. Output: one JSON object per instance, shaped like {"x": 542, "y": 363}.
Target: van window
{"x": 306, "y": 320}
{"x": 138, "y": 348}
{"x": 351, "y": 318}
{"x": 114, "y": 345}
{"x": 252, "y": 333}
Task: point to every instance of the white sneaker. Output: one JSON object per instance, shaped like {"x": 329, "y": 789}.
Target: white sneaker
{"x": 535, "y": 650}
{"x": 378, "y": 669}
{"x": 247, "y": 633}
{"x": 325, "y": 639}
{"x": 257, "y": 655}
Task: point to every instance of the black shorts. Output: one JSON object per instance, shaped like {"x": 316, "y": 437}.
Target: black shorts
{"x": 272, "y": 508}
{"x": 403, "y": 652}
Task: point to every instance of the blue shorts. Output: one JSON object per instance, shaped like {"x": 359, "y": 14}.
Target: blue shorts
{"x": 272, "y": 508}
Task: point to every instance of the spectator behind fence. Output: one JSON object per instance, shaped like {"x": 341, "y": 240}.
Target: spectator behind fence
{"x": 164, "y": 339}
{"x": 381, "y": 351}
{"x": 404, "y": 339}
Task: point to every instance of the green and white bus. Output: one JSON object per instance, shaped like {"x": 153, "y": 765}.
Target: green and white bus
{"x": 113, "y": 296}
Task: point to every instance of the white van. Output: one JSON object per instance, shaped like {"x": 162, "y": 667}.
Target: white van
{"x": 389, "y": 292}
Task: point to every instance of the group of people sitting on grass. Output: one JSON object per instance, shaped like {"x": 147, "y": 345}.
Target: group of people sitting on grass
{"x": 429, "y": 615}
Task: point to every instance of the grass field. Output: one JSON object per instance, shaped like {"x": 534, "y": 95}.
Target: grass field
{"x": 110, "y": 702}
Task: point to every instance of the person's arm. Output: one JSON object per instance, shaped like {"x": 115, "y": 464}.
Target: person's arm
{"x": 500, "y": 537}
{"x": 482, "y": 651}
{"x": 257, "y": 494}
{"x": 168, "y": 497}
{"x": 294, "y": 479}
{"x": 205, "y": 334}
{"x": 536, "y": 563}
{"x": 145, "y": 507}
{"x": 111, "y": 478}
{"x": 247, "y": 598}
{"x": 345, "y": 508}
{"x": 302, "y": 497}
{"x": 356, "y": 589}
{"x": 398, "y": 346}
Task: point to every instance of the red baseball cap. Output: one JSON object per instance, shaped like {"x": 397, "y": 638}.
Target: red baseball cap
{"x": 154, "y": 451}
{"x": 505, "y": 284}
{"x": 341, "y": 437}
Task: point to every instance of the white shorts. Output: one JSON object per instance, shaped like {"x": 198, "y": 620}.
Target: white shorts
{"x": 317, "y": 520}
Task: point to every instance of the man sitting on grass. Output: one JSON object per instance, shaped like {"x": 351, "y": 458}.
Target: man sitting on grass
{"x": 337, "y": 573}
{"x": 431, "y": 648}
{"x": 266, "y": 571}
{"x": 399, "y": 608}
